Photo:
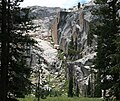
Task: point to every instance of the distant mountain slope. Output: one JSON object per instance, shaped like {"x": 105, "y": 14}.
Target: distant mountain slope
{"x": 56, "y": 27}
{"x": 42, "y": 12}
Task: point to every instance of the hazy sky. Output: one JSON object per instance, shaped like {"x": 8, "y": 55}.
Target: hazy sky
{"x": 52, "y": 3}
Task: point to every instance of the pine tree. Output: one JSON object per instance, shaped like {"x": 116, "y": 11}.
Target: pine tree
{"x": 19, "y": 70}
{"x": 14, "y": 70}
{"x": 71, "y": 55}
{"x": 4, "y": 54}
{"x": 79, "y": 5}
{"x": 89, "y": 88}
{"x": 72, "y": 49}
{"x": 77, "y": 90}
{"x": 115, "y": 57}
{"x": 90, "y": 36}
{"x": 70, "y": 86}
{"x": 106, "y": 28}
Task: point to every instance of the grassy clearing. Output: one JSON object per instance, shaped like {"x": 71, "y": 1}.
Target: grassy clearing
{"x": 29, "y": 98}
{"x": 71, "y": 99}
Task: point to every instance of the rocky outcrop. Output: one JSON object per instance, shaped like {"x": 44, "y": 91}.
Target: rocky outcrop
{"x": 76, "y": 24}
{"x": 43, "y": 54}
{"x": 55, "y": 31}
{"x": 39, "y": 12}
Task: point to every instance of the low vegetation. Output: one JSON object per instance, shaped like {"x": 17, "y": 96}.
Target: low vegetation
{"x": 30, "y": 98}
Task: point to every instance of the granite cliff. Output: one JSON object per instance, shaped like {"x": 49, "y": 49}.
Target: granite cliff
{"x": 55, "y": 29}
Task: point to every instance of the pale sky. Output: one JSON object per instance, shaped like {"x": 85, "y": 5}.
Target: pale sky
{"x": 52, "y": 3}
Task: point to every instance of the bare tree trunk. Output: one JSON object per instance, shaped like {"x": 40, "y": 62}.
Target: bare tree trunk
{"x": 4, "y": 54}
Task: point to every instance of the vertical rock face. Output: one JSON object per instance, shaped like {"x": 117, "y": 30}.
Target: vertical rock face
{"x": 76, "y": 24}
{"x": 56, "y": 28}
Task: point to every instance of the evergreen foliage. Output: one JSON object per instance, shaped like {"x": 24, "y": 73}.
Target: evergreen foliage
{"x": 90, "y": 36}
{"x": 15, "y": 49}
{"x": 77, "y": 91}
{"x": 79, "y": 5}
{"x": 107, "y": 28}
{"x": 72, "y": 55}
{"x": 70, "y": 88}
{"x": 72, "y": 49}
